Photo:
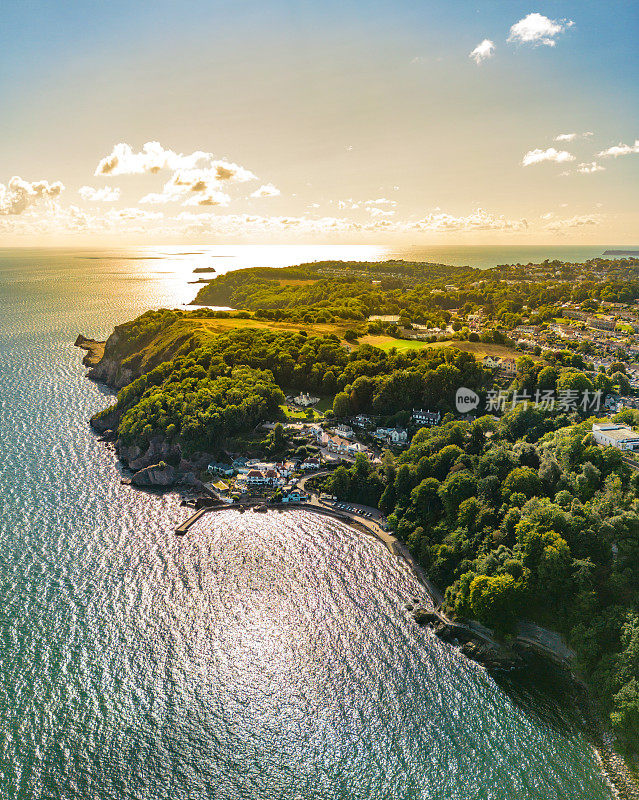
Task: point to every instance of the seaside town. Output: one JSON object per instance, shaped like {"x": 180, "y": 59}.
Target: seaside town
{"x": 485, "y": 431}
{"x": 605, "y": 341}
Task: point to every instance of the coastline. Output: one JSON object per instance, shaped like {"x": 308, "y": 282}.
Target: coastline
{"x": 474, "y": 641}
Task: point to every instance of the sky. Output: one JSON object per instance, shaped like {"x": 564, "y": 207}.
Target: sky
{"x": 362, "y": 121}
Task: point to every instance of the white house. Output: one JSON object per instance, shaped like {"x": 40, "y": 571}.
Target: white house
{"x": 336, "y": 444}
{"x": 304, "y": 399}
{"x": 345, "y": 430}
{"x": 392, "y": 435}
{"x": 267, "y": 477}
{"x": 611, "y": 434}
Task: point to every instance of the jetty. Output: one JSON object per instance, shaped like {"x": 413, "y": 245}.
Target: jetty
{"x": 183, "y": 527}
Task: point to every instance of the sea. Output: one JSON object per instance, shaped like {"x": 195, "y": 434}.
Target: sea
{"x": 261, "y": 656}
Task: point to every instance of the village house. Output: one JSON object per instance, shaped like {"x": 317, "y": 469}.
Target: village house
{"x": 337, "y": 444}
{"x": 294, "y": 496}
{"x": 508, "y": 367}
{"x": 345, "y": 430}
{"x": 267, "y": 477}
{"x": 396, "y": 436}
{"x": 425, "y": 418}
{"x": 217, "y": 468}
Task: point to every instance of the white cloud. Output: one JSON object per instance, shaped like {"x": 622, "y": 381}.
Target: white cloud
{"x": 589, "y": 168}
{"x": 18, "y": 195}
{"x": 484, "y": 50}
{"x": 133, "y": 213}
{"x": 620, "y": 150}
{"x": 205, "y": 182}
{"x": 374, "y": 211}
{"x": 267, "y": 190}
{"x": 106, "y": 194}
{"x": 152, "y": 158}
{"x": 381, "y": 201}
{"x": 537, "y": 156}
{"x": 584, "y": 220}
{"x": 570, "y": 137}
{"x": 547, "y": 215}
{"x": 479, "y": 220}
{"x": 537, "y": 29}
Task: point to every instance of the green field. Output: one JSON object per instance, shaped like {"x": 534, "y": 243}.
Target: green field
{"x": 480, "y": 349}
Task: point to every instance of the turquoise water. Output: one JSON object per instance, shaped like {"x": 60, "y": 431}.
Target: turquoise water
{"x": 261, "y": 656}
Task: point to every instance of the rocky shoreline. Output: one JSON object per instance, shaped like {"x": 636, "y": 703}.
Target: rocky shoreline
{"x": 478, "y": 647}
{"x": 161, "y": 465}
{"x": 94, "y": 350}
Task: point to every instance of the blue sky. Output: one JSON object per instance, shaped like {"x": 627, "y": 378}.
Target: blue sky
{"x": 332, "y": 105}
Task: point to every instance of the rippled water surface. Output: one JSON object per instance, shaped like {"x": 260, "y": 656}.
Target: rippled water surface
{"x": 261, "y": 656}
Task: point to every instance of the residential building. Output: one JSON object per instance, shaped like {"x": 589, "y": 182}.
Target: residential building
{"x": 295, "y": 496}
{"x": 508, "y": 366}
{"x": 267, "y": 477}
{"x": 394, "y": 436}
{"x": 217, "y": 468}
{"x": 345, "y": 430}
{"x": 603, "y": 323}
{"x": 425, "y": 418}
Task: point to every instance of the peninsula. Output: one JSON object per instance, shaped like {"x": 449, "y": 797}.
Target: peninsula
{"x": 354, "y": 369}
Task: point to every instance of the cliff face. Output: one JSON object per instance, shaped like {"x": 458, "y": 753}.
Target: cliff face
{"x": 109, "y": 368}
{"x": 118, "y": 363}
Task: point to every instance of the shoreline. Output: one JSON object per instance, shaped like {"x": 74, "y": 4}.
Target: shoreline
{"x": 472, "y": 639}
{"x": 452, "y": 629}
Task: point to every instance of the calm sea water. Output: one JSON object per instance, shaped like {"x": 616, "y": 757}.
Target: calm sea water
{"x": 261, "y": 657}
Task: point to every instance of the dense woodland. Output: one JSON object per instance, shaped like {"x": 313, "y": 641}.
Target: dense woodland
{"x": 524, "y": 517}
{"x": 208, "y": 392}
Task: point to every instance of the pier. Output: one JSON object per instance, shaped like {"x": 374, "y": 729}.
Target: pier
{"x": 183, "y": 527}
